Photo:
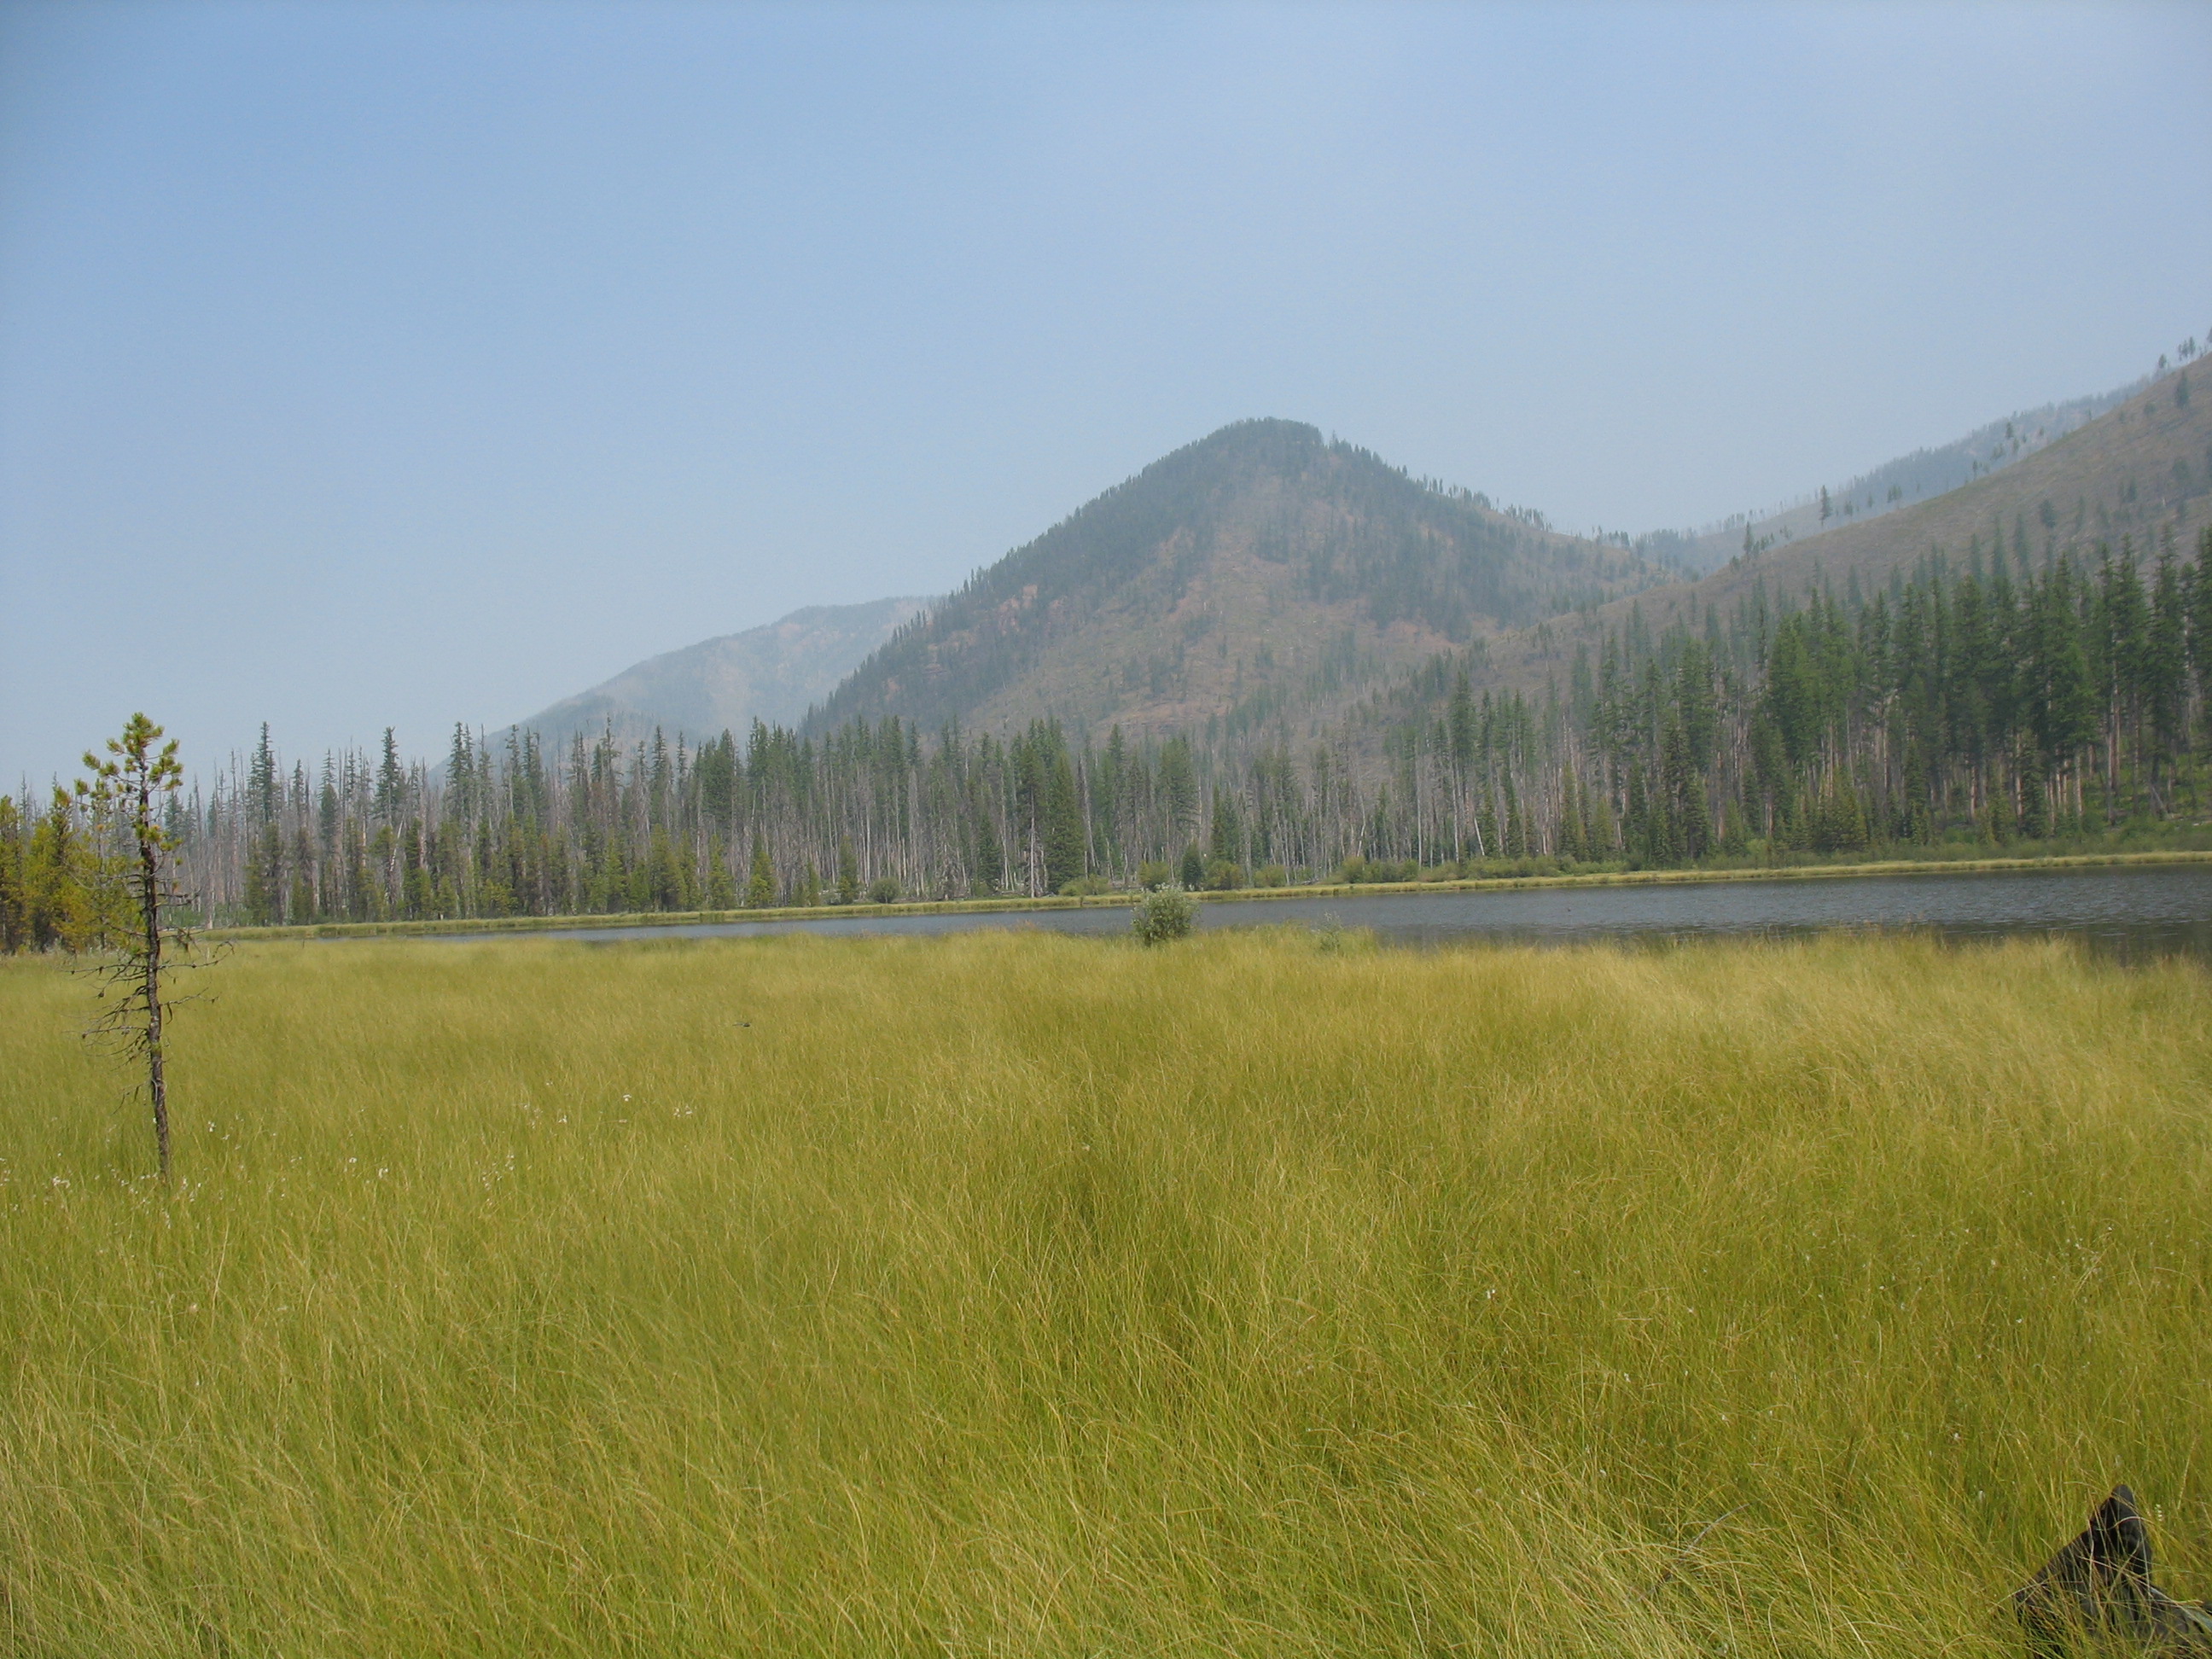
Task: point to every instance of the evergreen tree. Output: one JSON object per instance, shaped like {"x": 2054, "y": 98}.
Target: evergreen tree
{"x": 391, "y": 782}
{"x": 1063, "y": 819}
{"x": 1191, "y": 872}
{"x": 131, "y": 788}
{"x": 14, "y": 900}
{"x": 264, "y": 878}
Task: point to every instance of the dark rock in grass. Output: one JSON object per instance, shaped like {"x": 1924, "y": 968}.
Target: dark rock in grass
{"x": 2100, "y": 1586}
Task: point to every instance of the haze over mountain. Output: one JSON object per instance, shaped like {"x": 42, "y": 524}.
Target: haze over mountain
{"x": 1264, "y": 581}
{"x": 1262, "y": 574}
{"x": 2125, "y": 479}
{"x": 773, "y": 673}
{"x": 1904, "y": 482}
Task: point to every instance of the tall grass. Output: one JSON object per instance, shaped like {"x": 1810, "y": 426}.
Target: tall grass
{"x": 1004, "y": 1294}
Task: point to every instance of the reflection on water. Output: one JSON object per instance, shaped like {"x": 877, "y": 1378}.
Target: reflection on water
{"x": 2128, "y": 913}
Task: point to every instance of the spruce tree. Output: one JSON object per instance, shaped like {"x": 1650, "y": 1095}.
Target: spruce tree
{"x": 988, "y": 863}
{"x": 1063, "y": 820}
{"x": 721, "y": 885}
{"x": 391, "y": 782}
{"x": 1191, "y": 874}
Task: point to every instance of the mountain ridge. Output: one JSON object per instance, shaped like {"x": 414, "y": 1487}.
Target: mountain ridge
{"x": 1259, "y": 574}
{"x": 2128, "y": 474}
{"x": 773, "y": 673}
{"x": 1903, "y": 481}
{"x": 1263, "y": 579}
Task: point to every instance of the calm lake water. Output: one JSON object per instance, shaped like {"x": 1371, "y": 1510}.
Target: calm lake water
{"x": 2132, "y": 914}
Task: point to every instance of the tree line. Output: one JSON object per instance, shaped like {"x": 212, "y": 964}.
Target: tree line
{"x": 1995, "y": 700}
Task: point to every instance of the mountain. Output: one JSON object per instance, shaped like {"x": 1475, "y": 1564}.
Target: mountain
{"x": 1266, "y": 581}
{"x": 1260, "y": 577}
{"x": 2127, "y": 477}
{"x": 1892, "y": 487}
{"x": 772, "y": 673}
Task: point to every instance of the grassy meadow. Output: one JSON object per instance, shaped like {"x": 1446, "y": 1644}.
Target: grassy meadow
{"x": 1017, "y": 1294}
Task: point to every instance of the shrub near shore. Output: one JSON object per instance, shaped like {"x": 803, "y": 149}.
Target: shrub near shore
{"x": 1029, "y": 1294}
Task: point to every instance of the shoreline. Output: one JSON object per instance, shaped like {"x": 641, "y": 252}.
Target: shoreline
{"x": 486, "y": 926}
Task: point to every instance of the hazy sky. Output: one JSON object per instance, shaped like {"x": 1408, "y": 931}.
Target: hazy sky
{"x": 408, "y": 364}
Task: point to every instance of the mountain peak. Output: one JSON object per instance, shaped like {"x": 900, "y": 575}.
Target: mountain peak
{"x": 1260, "y": 572}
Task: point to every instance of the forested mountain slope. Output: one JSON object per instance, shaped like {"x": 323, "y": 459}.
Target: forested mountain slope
{"x": 772, "y": 673}
{"x": 2049, "y": 677}
{"x": 1259, "y": 573}
{"x": 1894, "y": 486}
{"x": 2119, "y": 482}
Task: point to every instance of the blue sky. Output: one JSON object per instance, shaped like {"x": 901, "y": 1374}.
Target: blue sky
{"x": 397, "y": 365}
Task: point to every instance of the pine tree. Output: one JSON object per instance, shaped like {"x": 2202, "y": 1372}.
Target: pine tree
{"x": 302, "y": 907}
{"x": 1063, "y": 819}
{"x": 721, "y": 885}
{"x": 1191, "y": 872}
{"x": 264, "y": 878}
{"x": 15, "y": 900}
{"x": 133, "y": 786}
{"x": 391, "y": 782}
{"x": 2166, "y": 667}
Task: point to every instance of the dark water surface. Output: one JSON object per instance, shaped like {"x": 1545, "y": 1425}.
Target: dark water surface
{"x": 2129, "y": 913}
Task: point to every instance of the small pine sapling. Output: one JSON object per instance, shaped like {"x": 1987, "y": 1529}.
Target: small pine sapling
{"x": 127, "y": 790}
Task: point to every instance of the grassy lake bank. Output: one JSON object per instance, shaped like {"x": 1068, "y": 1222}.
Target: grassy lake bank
{"x": 1927, "y": 865}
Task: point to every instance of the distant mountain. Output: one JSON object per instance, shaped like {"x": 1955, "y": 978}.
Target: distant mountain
{"x": 772, "y": 673}
{"x": 1257, "y": 580}
{"x": 2130, "y": 477}
{"x": 1905, "y": 482}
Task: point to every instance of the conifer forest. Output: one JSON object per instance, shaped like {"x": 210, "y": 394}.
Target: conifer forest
{"x": 2015, "y": 697}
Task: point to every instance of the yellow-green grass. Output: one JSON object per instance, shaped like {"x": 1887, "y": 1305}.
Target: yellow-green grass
{"x": 1018, "y": 1294}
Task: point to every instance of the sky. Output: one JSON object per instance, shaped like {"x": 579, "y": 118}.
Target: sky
{"x": 399, "y": 365}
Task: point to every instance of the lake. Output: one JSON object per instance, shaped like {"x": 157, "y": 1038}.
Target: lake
{"x": 2129, "y": 912}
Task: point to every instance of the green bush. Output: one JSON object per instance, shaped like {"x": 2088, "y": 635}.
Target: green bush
{"x": 884, "y": 890}
{"x": 1223, "y": 876}
{"x": 1331, "y": 937}
{"x": 1271, "y": 875}
{"x": 1154, "y": 873}
{"x": 1165, "y": 914}
{"x": 1357, "y": 870}
{"x": 1085, "y": 887}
